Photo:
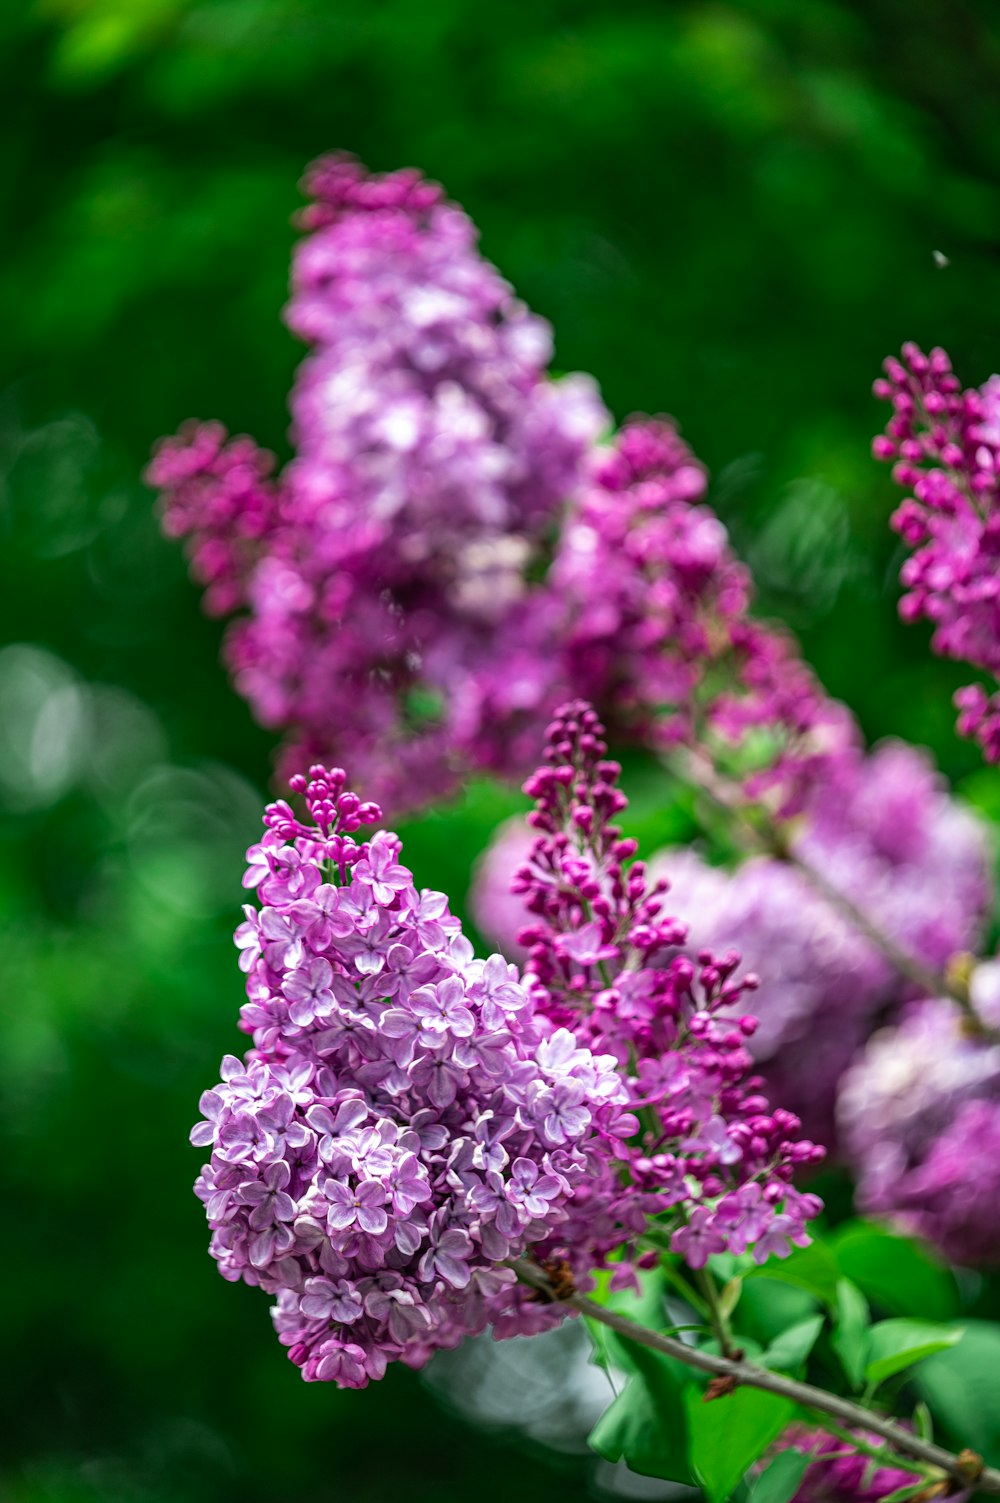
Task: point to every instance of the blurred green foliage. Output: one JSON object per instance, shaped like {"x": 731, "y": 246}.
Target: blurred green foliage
{"x": 729, "y": 212}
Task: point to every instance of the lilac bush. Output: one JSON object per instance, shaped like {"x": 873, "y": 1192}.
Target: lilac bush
{"x": 420, "y": 1144}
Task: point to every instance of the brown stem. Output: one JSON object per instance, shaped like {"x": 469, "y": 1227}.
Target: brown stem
{"x": 966, "y": 1469}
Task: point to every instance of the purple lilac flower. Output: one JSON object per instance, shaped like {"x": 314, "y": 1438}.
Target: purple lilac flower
{"x": 658, "y": 632}
{"x": 399, "y": 1130}
{"x": 919, "y": 1115}
{"x": 604, "y": 967}
{"x": 382, "y": 577}
{"x": 945, "y": 444}
{"x": 839, "y": 1474}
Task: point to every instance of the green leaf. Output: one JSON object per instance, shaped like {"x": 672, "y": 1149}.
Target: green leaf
{"x": 727, "y": 1435}
{"x": 908, "y": 1490}
{"x": 896, "y": 1273}
{"x": 729, "y": 1297}
{"x": 923, "y": 1422}
{"x": 814, "y": 1269}
{"x": 768, "y": 1307}
{"x": 779, "y": 1480}
{"x": 645, "y": 1426}
{"x": 851, "y": 1339}
{"x": 961, "y": 1387}
{"x": 789, "y": 1351}
{"x": 898, "y": 1344}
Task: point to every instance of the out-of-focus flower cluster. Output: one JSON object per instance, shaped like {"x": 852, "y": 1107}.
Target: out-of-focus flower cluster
{"x": 404, "y": 1123}
{"x": 712, "y": 1160}
{"x": 887, "y": 834}
{"x": 383, "y": 577}
{"x": 659, "y": 634}
{"x": 945, "y": 443}
{"x": 920, "y": 1116}
{"x": 838, "y": 1474}
{"x": 451, "y": 553}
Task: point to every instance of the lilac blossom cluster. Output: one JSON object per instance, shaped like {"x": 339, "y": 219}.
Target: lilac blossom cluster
{"x": 711, "y": 1161}
{"x": 887, "y": 833}
{"x": 383, "y": 577}
{"x": 404, "y": 1122}
{"x": 837, "y": 1473}
{"x": 945, "y": 445}
{"x": 920, "y": 1117}
{"x": 659, "y": 634}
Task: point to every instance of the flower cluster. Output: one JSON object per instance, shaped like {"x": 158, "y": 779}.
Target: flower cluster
{"x": 920, "y": 1117}
{"x": 890, "y": 838}
{"x": 885, "y": 832}
{"x": 659, "y": 634}
{"x": 711, "y": 1159}
{"x": 404, "y": 1122}
{"x": 837, "y": 1474}
{"x": 945, "y": 444}
{"x": 384, "y": 574}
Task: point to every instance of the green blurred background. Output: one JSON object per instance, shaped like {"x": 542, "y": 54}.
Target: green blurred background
{"x": 730, "y": 213}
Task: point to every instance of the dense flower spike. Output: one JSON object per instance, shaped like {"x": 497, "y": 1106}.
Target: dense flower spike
{"x": 404, "y": 1123}
{"x": 712, "y": 1160}
{"x": 660, "y": 637}
{"x": 920, "y": 1117}
{"x": 945, "y": 444}
{"x": 384, "y": 574}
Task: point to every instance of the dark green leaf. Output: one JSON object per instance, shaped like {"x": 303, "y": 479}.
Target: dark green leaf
{"x": 727, "y": 1435}
{"x": 789, "y": 1351}
{"x": 851, "y": 1336}
{"x": 898, "y": 1344}
{"x": 900, "y": 1275}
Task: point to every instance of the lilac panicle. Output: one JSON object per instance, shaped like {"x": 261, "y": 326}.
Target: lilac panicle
{"x": 383, "y": 577}
{"x": 711, "y": 1159}
{"x": 659, "y": 633}
{"x": 920, "y": 1117}
{"x": 945, "y": 445}
{"x": 404, "y": 1122}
